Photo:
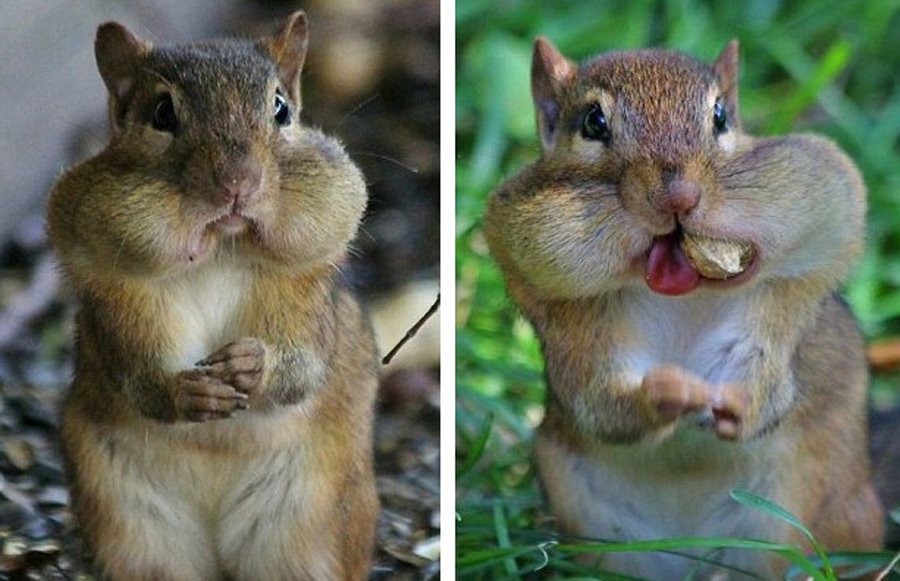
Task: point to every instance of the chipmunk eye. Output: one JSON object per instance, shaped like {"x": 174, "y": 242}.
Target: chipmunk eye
{"x": 720, "y": 120}
{"x": 595, "y": 125}
{"x": 164, "y": 118}
{"x": 282, "y": 111}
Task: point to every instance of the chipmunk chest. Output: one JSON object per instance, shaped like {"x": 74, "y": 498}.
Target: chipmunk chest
{"x": 204, "y": 310}
{"x": 703, "y": 333}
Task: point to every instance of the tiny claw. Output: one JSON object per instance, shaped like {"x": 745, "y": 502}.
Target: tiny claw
{"x": 727, "y": 429}
{"x": 727, "y": 424}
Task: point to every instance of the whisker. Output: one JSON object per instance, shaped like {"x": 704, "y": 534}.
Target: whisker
{"x": 354, "y": 252}
{"x": 749, "y": 169}
{"x": 365, "y": 231}
{"x": 386, "y": 158}
{"x": 115, "y": 264}
{"x": 336, "y": 267}
{"x": 356, "y": 109}
{"x": 733, "y": 187}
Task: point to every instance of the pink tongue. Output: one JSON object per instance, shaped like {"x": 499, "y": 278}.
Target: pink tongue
{"x": 668, "y": 270}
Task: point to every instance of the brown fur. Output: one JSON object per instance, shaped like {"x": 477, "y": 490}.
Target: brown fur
{"x": 755, "y": 383}
{"x": 219, "y": 422}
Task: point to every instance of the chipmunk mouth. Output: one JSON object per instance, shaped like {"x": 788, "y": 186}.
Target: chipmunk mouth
{"x": 229, "y": 225}
{"x": 212, "y": 232}
{"x": 682, "y": 260}
{"x": 232, "y": 224}
{"x": 233, "y": 221}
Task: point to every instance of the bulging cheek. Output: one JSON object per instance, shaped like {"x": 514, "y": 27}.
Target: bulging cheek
{"x": 303, "y": 238}
{"x": 565, "y": 264}
{"x": 570, "y": 280}
{"x": 169, "y": 239}
{"x": 194, "y": 247}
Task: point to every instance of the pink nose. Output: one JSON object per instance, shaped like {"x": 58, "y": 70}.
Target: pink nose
{"x": 237, "y": 181}
{"x": 679, "y": 197}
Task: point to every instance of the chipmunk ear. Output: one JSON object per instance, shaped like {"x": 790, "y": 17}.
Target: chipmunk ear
{"x": 726, "y": 68}
{"x": 118, "y": 53}
{"x": 288, "y": 50}
{"x": 551, "y": 73}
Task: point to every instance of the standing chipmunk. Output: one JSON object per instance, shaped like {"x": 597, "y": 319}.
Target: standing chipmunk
{"x": 220, "y": 420}
{"x": 675, "y": 378}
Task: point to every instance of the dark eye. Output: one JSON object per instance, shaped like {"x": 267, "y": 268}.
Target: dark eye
{"x": 595, "y": 125}
{"x": 164, "y": 118}
{"x": 720, "y": 120}
{"x": 282, "y": 111}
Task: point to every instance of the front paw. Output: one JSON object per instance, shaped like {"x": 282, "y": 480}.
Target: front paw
{"x": 200, "y": 397}
{"x": 239, "y": 364}
{"x": 729, "y": 406}
{"x": 669, "y": 391}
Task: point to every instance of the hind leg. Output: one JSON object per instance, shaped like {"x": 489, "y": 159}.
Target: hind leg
{"x": 282, "y": 522}
{"x": 137, "y": 527}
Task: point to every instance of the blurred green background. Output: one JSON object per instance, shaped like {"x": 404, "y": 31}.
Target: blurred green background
{"x": 807, "y": 65}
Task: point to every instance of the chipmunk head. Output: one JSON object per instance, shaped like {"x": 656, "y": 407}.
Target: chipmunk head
{"x": 639, "y": 105}
{"x": 204, "y": 114}
{"x": 208, "y": 148}
{"x": 637, "y": 147}
{"x": 656, "y": 125}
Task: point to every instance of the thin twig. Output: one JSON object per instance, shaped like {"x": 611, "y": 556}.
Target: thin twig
{"x": 413, "y": 330}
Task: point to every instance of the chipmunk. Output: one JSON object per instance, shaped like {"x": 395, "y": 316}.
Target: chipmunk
{"x": 219, "y": 425}
{"x": 667, "y": 387}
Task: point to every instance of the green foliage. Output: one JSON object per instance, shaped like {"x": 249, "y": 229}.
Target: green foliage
{"x": 806, "y": 65}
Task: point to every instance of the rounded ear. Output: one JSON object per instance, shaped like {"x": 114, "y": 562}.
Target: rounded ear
{"x": 551, "y": 73}
{"x": 726, "y": 69}
{"x": 118, "y": 53}
{"x": 288, "y": 50}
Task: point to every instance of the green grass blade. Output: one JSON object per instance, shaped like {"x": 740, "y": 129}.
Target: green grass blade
{"x": 502, "y": 532}
{"x": 757, "y": 502}
{"x": 475, "y": 561}
{"x": 853, "y": 564}
{"x": 790, "y": 552}
{"x": 477, "y": 446}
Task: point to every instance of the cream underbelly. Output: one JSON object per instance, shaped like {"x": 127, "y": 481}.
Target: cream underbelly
{"x": 677, "y": 488}
{"x": 204, "y": 309}
{"x": 207, "y": 465}
{"x": 206, "y": 498}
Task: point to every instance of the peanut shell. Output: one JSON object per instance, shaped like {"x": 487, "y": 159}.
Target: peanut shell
{"x": 714, "y": 257}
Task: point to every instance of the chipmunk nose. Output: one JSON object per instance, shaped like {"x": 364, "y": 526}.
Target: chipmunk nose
{"x": 678, "y": 196}
{"x": 237, "y": 181}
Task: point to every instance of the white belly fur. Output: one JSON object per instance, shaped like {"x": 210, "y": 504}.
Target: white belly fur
{"x": 693, "y": 332}
{"x": 204, "y": 306}
{"x": 675, "y": 488}
{"x": 198, "y": 507}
